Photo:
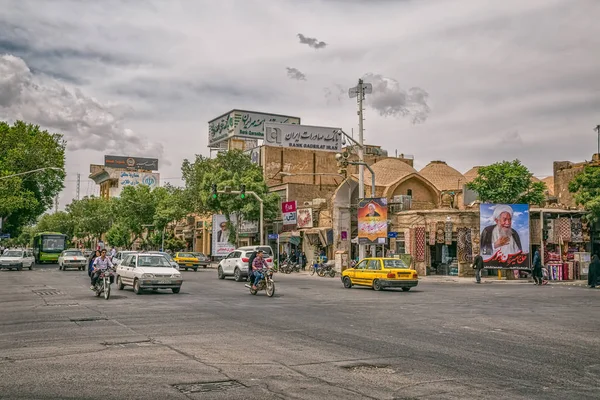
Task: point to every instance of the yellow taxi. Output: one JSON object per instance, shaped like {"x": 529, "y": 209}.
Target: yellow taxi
{"x": 187, "y": 260}
{"x": 381, "y": 273}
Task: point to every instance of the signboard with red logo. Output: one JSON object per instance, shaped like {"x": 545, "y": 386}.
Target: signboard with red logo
{"x": 289, "y": 213}
{"x": 131, "y": 163}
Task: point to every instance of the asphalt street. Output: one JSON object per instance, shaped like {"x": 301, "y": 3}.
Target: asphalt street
{"x": 313, "y": 340}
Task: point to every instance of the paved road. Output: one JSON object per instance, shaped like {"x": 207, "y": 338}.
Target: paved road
{"x": 314, "y": 340}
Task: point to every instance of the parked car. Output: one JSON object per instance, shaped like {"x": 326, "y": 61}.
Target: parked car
{"x": 381, "y": 273}
{"x": 72, "y": 258}
{"x": 236, "y": 262}
{"x": 17, "y": 259}
{"x": 148, "y": 271}
{"x": 204, "y": 259}
{"x": 187, "y": 260}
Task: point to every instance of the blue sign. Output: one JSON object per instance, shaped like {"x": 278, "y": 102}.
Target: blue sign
{"x": 273, "y": 236}
{"x": 392, "y": 235}
{"x": 5, "y": 236}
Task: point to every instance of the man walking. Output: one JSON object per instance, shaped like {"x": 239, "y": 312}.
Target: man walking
{"x": 594, "y": 271}
{"x": 537, "y": 268}
{"x": 478, "y": 266}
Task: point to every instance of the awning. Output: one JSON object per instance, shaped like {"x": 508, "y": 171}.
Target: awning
{"x": 285, "y": 237}
{"x": 317, "y": 236}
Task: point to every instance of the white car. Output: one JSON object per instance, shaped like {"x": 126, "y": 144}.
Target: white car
{"x": 148, "y": 271}
{"x": 120, "y": 256}
{"x": 17, "y": 259}
{"x": 72, "y": 258}
{"x": 236, "y": 262}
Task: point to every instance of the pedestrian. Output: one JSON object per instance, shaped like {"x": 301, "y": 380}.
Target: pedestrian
{"x": 537, "y": 268}
{"x": 478, "y": 266}
{"x": 303, "y": 261}
{"x": 594, "y": 271}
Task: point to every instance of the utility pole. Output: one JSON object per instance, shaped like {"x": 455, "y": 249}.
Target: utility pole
{"x": 56, "y": 204}
{"x": 78, "y": 186}
{"x": 359, "y": 92}
{"x": 597, "y": 129}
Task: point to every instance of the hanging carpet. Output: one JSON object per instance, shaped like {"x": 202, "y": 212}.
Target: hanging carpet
{"x": 420, "y": 243}
{"x": 440, "y": 236}
{"x": 448, "y": 233}
{"x": 576, "y": 230}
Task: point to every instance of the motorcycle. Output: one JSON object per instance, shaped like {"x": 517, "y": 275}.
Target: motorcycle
{"x": 267, "y": 284}
{"x": 103, "y": 283}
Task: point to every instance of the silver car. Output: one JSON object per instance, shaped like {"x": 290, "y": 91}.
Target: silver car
{"x": 17, "y": 259}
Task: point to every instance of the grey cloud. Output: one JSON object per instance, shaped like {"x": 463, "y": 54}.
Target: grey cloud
{"x": 311, "y": 42}
{"x": 335, "y": 93}
{"x": 294, "y": 73}
{"x": 390, "y": 100}
{"x": 86, "y": 123}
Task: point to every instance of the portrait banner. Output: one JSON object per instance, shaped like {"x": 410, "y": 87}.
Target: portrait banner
{"x": 221, "y": 241}
{"x": 504, "y": 239}
{"x": 372, "y": 221}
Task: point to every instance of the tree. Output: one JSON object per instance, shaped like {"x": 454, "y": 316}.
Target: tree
{"x": 228, "y": 169}
{"x": 92, "y": 217}
{"x": 135, "y": 209}
{"x": 173, "y": 204}
{"x": 586, "y": 189}
{"x": 507, "y": 182}
{"x": 25, "y": 148}
{"x": 57, "y": 222}
{"x": 119, "y": 236}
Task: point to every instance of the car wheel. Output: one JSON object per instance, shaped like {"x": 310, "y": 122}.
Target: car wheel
{"x": 195, "y": 269}
{"x": 376, "y": 285}
{"x": 20, "y": 268}
{"x": 176, "y": 290}
{"x": 237, "y": 275}
{"x": 204, "y": 266}
{"x": 120, "y": 285}
{"x": 220, "y": 273}
{"x": 405, "y": 289}
{"x": 31, "y": 267}
{"x": 185, "y": 269}
{"x": 347, "y": 282}
{"x": 136, "y": 287}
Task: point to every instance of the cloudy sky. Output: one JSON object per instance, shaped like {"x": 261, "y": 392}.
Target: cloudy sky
{"x": 466, "y": 81}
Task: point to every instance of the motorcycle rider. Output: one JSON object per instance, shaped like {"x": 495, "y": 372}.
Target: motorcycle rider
{"x": 100, "y": 264}
{"x": 257, "y": 265}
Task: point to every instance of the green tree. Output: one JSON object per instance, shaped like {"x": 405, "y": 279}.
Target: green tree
{"x": 135, "y": 209}
{"x": 57, "y": 222}
{"x": 92, "y": 217}
{"x": 172, "y": 205}
{"x": 507, "y": 182}
{"x": 586, "y": 189}
{"x": 25, "y": 148}
{"x": 229, "y": 169}
{"x": 119, "y": 236}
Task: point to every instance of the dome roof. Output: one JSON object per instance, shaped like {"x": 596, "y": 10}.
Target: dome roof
{"x": 472, "y": 173}
{"x": 443, "y": 176}
{"x": 388, "y": 171}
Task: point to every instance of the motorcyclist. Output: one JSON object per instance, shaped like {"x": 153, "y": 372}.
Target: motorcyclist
{"x": 101, "y": 263}
{"x": 258, "y": 265}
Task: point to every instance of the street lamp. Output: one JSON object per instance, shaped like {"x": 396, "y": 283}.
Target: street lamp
{"x": 30, "y": 172}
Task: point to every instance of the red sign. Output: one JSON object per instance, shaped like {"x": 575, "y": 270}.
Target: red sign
{"x": 288, "y": 206}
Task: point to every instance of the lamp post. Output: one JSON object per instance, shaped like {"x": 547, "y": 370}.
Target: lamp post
{"x": 30, "y": 172}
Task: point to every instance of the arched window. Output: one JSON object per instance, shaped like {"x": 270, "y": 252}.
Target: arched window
{"x": 409, "y": 192}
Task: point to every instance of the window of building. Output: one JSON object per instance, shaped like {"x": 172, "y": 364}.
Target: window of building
{"x": 409, "y": 192}
{"x": 400, "y": 247}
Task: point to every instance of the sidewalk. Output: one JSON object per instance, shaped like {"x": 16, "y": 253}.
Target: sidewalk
{"x": 471, "y": 280}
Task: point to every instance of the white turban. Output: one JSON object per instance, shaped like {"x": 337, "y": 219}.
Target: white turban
{"x": 502, "y": 208}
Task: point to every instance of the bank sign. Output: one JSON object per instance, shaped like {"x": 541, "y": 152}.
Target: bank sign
{"x": 138, "y": 178}
{"x": 303, "y": 137}
{"x": 245, "y": 124}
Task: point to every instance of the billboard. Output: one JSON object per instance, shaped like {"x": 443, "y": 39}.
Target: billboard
{"x": 221, "y": 242}
{"x": 504, "y": 236}
{"x": 289, "y": 214}
{"x": 303, "y": 137}
{"x": 130, "y": 178}
{"x": 305, "y": 218}
{"x": 372, "y": 221}
{"x": 246, "y": 124}
{"x": 131, "y": 163}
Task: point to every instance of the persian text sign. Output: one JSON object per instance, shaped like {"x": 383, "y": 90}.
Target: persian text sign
{"x": 372, "y": 221}
{"x": 504, "y": 240}
{"x": 132, "y": 163}
{"x": 303, "y": 137}
{"x": 244, "y": 124}
{"x": 139, "y": 178}
{"x": 288, "y": 210}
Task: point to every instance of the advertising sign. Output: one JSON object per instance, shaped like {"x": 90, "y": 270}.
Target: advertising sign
{"x": 504, "y": 241}
{"x": 247, "y": 124}
{"x": 131, "y": 163}
{"x": 372, "y": 221}
{"x": 303, "y": 137}
{"x": 221, "y": 245}
{"x": 127, "y": 178}
{"x": 305, "y": 218}
{"x": 288, "y": 210}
